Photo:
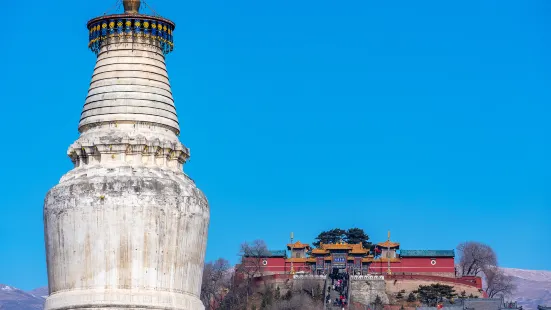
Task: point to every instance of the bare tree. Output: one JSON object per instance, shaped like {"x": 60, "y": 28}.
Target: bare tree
{"x": 252, "y": 264}
{"x": 475, "y": 257}
{"x": 253, "y": 255}
{"x": 216, "y": 282}
{"x": 235, "y": 299}
{"x": 498, "y": 283}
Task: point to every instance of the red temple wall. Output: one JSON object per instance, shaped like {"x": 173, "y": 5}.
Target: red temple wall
{"x": 417, "y": 265}
{"x": 443, "y": 266}
{"x": 297, "y": 267}
{"x": 275, "y": 265}
{"x": 380, "y": 267}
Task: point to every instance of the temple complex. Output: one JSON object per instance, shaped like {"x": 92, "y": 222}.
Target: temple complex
{"x": 384, "y": 258}
{"x": 375, "y": 270}
{"x": 126, "y": 228}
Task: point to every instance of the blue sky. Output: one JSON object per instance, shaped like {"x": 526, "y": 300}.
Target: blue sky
{"x": 426, "y": 118}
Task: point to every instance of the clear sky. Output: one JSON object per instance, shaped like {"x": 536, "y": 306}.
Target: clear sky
{"x": 426, "y": 118}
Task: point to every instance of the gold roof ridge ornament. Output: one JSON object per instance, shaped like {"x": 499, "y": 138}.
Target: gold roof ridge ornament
{"x": 131, "y": 6}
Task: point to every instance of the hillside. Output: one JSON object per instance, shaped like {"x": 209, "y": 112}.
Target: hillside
{"x": 534, "y": 288}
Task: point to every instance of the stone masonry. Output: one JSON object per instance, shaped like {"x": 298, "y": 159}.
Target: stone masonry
{"x": 365, "y": 291}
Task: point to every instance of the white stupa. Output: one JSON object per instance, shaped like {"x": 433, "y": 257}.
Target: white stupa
{"x": 126, "y": 228}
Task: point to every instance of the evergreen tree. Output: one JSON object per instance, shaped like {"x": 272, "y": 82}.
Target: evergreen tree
{"x": 352, "y": 235}
{"x": 330, "y": 236}
{"x": 399, "y": 295}
{"x": 411, "y": 297}
{"x": 357, "y": 235}
{"x": 432, "y": 294}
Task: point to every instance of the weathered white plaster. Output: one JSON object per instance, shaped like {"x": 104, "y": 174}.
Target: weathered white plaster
{"x": 126, "y": 228}
{"x": 130, "y": 83}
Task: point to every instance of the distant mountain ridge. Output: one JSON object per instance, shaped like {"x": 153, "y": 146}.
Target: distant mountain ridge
{"x": 534, "y": 288}
{"x": 40, "y": 292}
{"x": 12, "y": 298}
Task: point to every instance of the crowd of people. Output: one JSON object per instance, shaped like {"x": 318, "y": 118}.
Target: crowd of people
{"x": 339, "y": 290}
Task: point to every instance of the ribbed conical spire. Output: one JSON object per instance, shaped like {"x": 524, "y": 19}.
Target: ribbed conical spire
{"x": 130, "y": 84}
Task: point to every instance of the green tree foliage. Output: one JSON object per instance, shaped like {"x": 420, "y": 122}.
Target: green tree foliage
{"x": 357, "y": 235}
{"x": 330, "y": 236}
{"x": 399, "y": 295}
{"x": 411, "y": 297}
{"x": 431, "y": 295}
{"x": 352, "y": 235}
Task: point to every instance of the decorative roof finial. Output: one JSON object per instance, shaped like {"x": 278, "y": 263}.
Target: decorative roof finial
{"x": 131, "y": 6}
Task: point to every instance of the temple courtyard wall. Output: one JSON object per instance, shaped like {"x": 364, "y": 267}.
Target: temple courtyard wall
{"x": 366, "y": 291}
{"x": 286, "y": 281}
{"x": 410, "y": 285}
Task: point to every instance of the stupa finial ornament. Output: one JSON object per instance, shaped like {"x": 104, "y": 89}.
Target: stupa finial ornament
{"x": 131, "y": 6}
{"x": 131, "y": 27}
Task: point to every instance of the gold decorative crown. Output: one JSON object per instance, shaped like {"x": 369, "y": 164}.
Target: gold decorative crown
{"x": 131, "y": 6}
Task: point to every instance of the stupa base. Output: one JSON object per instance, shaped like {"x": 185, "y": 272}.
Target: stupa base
{"x": 119, "y": 299}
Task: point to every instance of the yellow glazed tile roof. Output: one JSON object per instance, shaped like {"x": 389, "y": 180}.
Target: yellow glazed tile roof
{"x": 388, "y": 244}
{"x": 298, "y": 245}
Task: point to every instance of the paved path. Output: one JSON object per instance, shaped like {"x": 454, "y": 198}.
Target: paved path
{"x": 333, "y": 295}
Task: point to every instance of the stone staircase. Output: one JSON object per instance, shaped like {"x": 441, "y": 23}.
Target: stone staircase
{"x": 333, "y": 295}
